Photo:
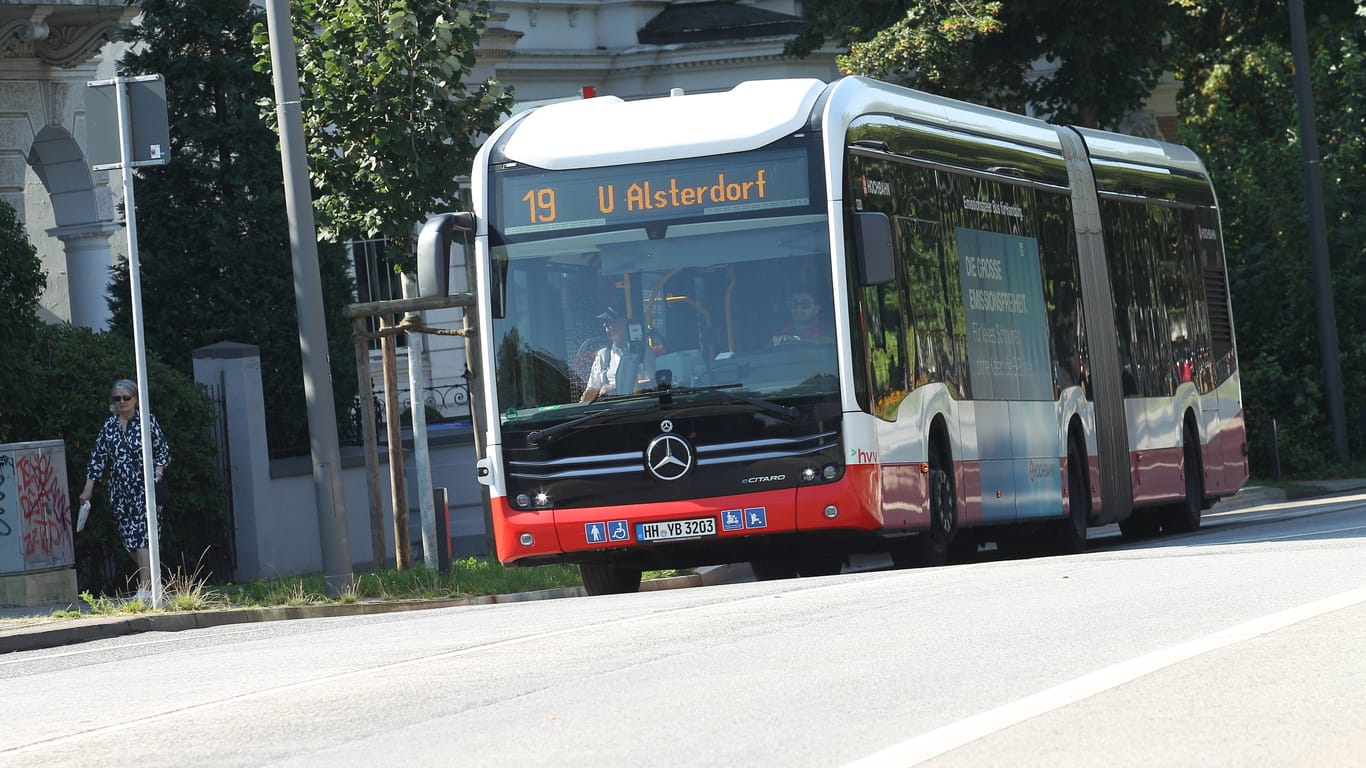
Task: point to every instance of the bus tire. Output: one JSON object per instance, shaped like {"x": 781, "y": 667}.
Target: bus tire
{"x": 931, "y": 546}
{"x": 1069, "y": 534}
{"x": 609, "y": 579}
{"x": 1184, "y": 517}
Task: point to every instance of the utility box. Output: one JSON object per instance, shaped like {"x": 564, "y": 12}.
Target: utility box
{"x": 37, "y": 546}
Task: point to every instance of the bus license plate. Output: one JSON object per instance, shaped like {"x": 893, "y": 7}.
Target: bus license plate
{"x": 676, "y": 529}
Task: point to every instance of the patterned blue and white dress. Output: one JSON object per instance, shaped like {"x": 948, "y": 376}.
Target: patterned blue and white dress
{"x": 118, "y": 454}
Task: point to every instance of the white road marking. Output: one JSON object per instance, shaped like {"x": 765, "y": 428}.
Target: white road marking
{"x": 934, "y": 743}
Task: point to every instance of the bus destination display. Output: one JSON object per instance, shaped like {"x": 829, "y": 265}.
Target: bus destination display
{"x": 536, "y": 201}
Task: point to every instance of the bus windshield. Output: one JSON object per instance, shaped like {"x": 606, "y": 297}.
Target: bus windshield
{"x": 594, "y": 308}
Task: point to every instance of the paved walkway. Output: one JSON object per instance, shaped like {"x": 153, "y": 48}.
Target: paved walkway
{"x": 35, "y": 627}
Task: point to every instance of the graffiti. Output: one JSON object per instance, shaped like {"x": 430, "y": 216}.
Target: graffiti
{"x": 6, "y": 463}
{"x": 45, "y": 511}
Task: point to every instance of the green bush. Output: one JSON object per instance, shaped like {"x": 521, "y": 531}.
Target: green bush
{"x": 431, "y": 412}
{"x": 74, "y": 369}
{"x": 21, "y": 283}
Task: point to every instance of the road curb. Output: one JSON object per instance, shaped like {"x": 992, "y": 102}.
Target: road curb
{"x": 66, "y": 632}
{"x": 1249, "y": 496}
{"x": 1313, "y": 492}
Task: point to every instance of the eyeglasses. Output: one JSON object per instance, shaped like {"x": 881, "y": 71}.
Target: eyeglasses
{"x": 122, "y": 398}
{"x": 802, "y": 304}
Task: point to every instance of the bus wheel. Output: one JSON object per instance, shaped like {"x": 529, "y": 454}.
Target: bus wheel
{"x": 1069, "y": 536}
{"x": 608, "y": 579}
{"x": 931, "y": 546}
{"x": 773, "y": 568}
{"x": 1185, "y": 516}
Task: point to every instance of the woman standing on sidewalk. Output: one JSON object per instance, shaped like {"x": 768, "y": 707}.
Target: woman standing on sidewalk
{"x": 118, "y": 456}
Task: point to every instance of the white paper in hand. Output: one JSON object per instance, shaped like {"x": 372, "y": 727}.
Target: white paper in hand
{"x": 81, "y": 518}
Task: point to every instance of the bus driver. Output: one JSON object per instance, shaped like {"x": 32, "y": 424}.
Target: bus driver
{"x": 620, "y": 365}
{"x": 807, "y": 323}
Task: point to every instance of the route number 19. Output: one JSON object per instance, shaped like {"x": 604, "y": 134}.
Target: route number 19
{"x": 541, "y": 203}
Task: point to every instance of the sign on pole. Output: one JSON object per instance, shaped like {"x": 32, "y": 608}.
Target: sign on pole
{"x": 147, "y": 123}
{"x": 137, "y": 106}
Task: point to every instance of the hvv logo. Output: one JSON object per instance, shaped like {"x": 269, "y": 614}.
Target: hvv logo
{"x": 860, "y": 456}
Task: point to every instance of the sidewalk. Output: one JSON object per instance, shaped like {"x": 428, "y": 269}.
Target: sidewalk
{"x": 32, "y": 628}
{"x": 1257, "y": 495}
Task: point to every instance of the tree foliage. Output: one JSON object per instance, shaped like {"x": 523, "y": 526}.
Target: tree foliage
{"x": 850, "y": 21}
{"x": 21, "y": 284}
{"x": 213, "y": 234}
{"x": 931, "y": 47}
{"x": 390, "y": 122}
{"x": 1086, "y": 64}
{"x": 1241, "y": 116}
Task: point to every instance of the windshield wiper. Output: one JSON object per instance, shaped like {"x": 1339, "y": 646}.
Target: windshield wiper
{"x": 784, "y": 412}
{"x": 533, "y": 438}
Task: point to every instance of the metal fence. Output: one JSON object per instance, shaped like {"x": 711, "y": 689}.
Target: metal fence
{"x": 446, "y": 404}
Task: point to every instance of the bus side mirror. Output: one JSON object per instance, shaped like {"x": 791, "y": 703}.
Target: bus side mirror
{"x": 434, "y": 252}
{"x": 873, "y": 239}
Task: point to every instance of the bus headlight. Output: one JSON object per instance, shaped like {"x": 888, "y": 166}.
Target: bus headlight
{"x": 523, "y": 500}
{"x": 542, "y": 499}
{"x": 808, "y": 474}
{"x": 830, "y": 472}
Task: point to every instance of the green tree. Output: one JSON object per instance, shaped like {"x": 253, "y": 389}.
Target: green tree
{"x": 931, "y": 48}
{"x": 21, "y": 284}
{"x": 390, "y": 122}
{"x": 850, "y": 21}
{"x": 1098, "y": 61}
{"x": 1240, "y": 114}
{"x": 213, "y": 234}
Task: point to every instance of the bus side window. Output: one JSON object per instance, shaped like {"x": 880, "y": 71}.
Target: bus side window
{"x": 885, "y": 344}
{"x": 1062, "y": 290}
{"x": 889, "y": 355}
{"x": 882, "y": 300}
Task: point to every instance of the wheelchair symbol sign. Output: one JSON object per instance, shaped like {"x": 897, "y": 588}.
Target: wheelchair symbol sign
{"x": 732, "y": 520}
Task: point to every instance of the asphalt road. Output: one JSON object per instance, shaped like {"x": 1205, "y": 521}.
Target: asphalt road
{"x": 1236, "y": 645}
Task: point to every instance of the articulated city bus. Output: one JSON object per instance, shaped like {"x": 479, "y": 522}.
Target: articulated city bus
{"x": 797, "y": 321}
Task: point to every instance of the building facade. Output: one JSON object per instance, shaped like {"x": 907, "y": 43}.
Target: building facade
{"x": 48, "y": 52}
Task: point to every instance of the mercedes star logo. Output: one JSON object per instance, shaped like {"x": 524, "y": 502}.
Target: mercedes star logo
{"x": 668, "y": 457}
